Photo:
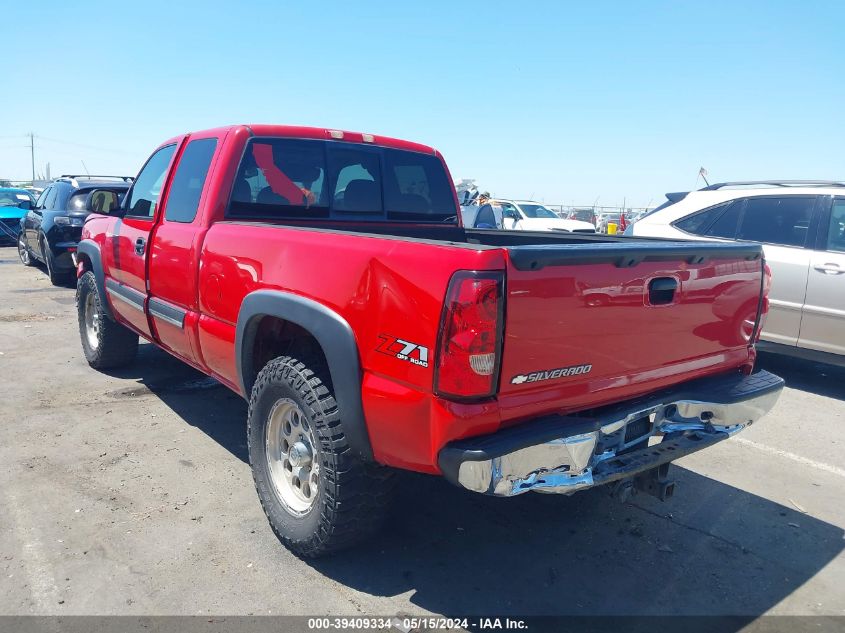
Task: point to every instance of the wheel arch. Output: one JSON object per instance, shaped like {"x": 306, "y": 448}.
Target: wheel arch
{"x": 337, "y": 343}
{"x": 88, "y": 253}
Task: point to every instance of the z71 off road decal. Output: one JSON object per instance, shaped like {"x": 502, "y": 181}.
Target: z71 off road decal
{"x": 403, "y": 350}
{"x": 551, "y": 374}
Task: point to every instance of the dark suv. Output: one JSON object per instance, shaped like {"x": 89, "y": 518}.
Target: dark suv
{"x": 51, "y": 230}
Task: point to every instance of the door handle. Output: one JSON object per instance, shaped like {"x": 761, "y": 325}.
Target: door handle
{"x": 140, "y": 246}
{"x": 661, "y": 290}
{"x": 829, "y": 268}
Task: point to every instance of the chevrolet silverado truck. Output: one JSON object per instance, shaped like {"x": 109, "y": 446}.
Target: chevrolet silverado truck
{"x": 325, "y": 276}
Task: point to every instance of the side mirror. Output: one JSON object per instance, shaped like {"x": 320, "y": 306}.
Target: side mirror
{"x": 105, "y": 202}
{"x": 510, "y": 214}
{"x": 23, "y": 201}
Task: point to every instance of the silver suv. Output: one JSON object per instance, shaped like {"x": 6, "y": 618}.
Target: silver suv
{"x": 801, "y": 225}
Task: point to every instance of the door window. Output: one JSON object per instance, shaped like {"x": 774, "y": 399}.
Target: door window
{"x": 189, "y": 179}
{"x": 509, "y": 211}
{"x": 836, "y": 229}
{"x": 147, "y": 188}
{"x": 39, "y": 204}
{"x": 784, "y": 221}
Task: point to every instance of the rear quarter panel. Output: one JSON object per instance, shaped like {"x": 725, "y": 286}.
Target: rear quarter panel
{"x": 382, "y": 286}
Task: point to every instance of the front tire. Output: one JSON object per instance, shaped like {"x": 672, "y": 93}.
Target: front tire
{"x": 318, "y": 497}
{"x": 105, "y": 342}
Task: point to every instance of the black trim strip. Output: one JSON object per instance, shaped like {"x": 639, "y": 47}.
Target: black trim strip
{"x": 167, "y": 312}
{"x": 335, "y": 337}
{"x": 128, "y": 295}
{"x": 630, "y": 254}
{"x": 90, "y": 249}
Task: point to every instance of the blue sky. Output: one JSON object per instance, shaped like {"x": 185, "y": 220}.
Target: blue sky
{"x": 560, "y": 101}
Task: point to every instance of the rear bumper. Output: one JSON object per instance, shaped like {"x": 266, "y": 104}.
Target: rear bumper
{"x": 564, "y": 454}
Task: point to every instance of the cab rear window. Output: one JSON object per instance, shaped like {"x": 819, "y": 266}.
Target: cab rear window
{"x": 305, "y": 179}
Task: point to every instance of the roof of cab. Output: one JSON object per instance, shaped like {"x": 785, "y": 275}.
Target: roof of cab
{"x": 331, "y": 134}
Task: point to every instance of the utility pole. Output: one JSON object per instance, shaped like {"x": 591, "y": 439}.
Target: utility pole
{"x": 32, "y": 151}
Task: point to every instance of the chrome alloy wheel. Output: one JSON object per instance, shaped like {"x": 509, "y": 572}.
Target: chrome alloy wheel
{"x": 23, "y": 252}
{"x": 289, "y": 447}
{"x": 92, "y": 321}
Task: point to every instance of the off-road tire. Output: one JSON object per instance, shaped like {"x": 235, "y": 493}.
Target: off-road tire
{"x": 23, "y": 251}
{"x": 352, "y": 495}
{"x": 116, "y": 345}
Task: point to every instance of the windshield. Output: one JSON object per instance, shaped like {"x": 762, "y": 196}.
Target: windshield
{"x": 537, "y": 211}
{"x": 15, "y": 199}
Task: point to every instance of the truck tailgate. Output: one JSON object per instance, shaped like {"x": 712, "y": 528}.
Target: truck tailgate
{"x": 603, "y": 322}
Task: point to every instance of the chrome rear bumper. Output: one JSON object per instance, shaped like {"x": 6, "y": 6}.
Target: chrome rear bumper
{"x": 564, "y": 454}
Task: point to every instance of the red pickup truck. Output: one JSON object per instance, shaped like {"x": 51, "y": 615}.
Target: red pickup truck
{"x": 324, "y": 275}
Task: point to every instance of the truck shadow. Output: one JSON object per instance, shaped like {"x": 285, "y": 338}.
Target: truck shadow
{"x": 199, "y": 400}
{"x": 713, "y": 549}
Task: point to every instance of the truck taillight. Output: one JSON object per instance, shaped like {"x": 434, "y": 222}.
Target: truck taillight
{"x": 469, "y": 347}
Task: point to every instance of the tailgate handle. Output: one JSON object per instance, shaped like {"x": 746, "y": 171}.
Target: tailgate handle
{"x": 662, "y": 290}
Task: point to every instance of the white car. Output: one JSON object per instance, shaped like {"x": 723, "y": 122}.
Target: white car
{"x": 801, "y": 225}
{"x": 525, "y": 215}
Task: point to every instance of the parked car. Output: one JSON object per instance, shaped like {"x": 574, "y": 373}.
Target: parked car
{"x": 583, "y": 215}
{"x": 606, "y": 217}
{"x": 801, "y": 225}
{"x": 324, "y": 276}
{"x": 14, "y": 203}
{"x": 525, "y": 215}
{"x": 51, "y": 229}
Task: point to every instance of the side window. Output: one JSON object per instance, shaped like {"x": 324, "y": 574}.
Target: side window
{"x": 189, "y": 179}
{"x": 357, "y": 178}
{"x": 509, "y": 211}
{"x": 726, "y": 224}
{"x": 50, "y": 200}
{"x": 836, "y": 230}
{"x": 784, "y": 221}
{"x": 147, "y": 188}
{"x": 699, "y": 222}
{"x": 485, "y": 218}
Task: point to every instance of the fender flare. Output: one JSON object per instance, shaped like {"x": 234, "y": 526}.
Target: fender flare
{"x": 334, "y": 336}
{"x": 91, "y": 250}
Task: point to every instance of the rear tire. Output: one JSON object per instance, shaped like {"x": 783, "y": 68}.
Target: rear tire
{"x": 105, "y": 342}
{"x": 318, "y": 497}
{"x": 56, "y": 278}
{"x": 23, "y": 251}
